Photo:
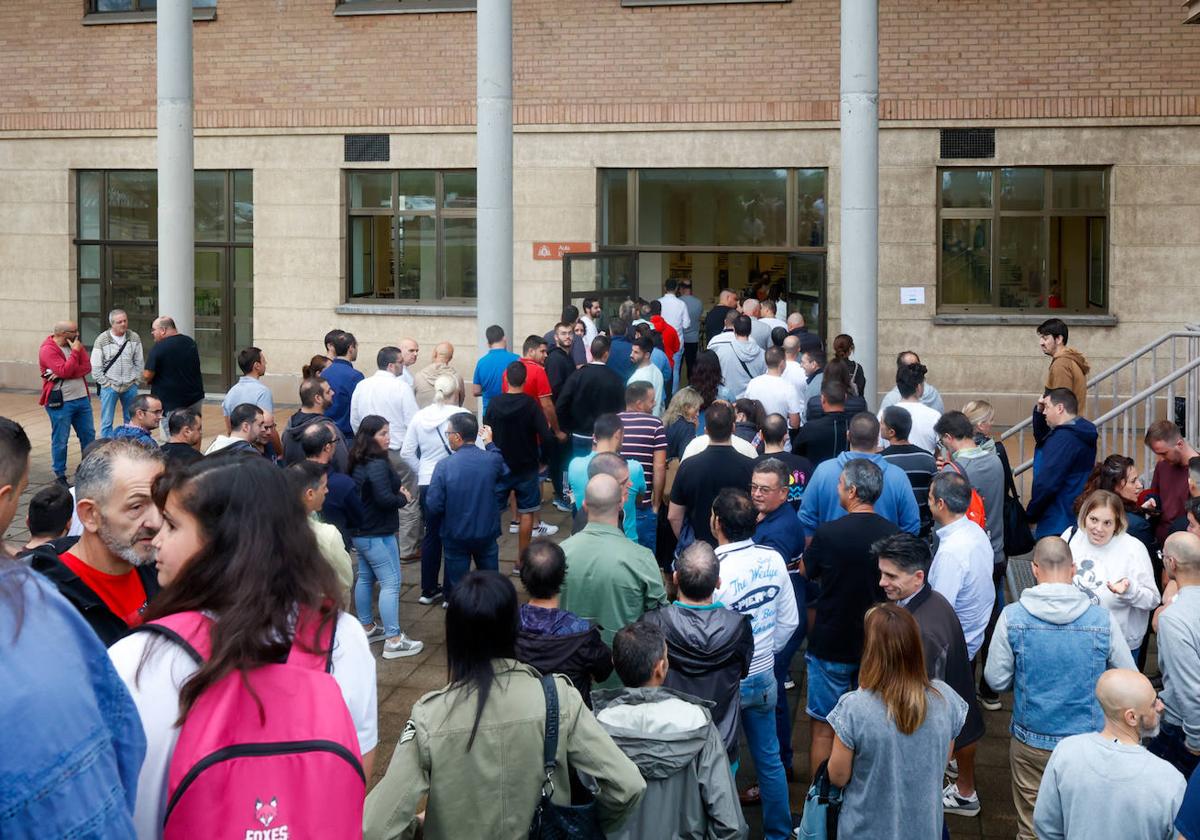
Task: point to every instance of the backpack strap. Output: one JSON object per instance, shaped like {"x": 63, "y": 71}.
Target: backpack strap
{"x": 550, "y": 745}
{"x": 189, "y": 630}
{"x": 310, "y": 632}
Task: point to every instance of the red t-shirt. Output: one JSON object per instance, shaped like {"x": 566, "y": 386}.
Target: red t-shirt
{"x": 537, "y": 385}
{"x": 123, "y": 594}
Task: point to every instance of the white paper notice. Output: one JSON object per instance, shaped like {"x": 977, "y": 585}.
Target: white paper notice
{"x": 912, "y": 294}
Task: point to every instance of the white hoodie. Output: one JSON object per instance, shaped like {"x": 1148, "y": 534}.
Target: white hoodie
{"x": 425, "y": 440}
{"x": 1121, "y": 557}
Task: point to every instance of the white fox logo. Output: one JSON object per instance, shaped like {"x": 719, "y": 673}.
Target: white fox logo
{"x": 265, "y": 814}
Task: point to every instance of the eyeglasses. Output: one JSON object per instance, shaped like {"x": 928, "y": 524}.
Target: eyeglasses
{"x": 763, "y": 488}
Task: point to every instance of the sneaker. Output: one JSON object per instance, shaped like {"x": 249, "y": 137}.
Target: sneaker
{"x": 431, "y": 598}
{"x": 402, "y": 646}
{"x": 789, "y": 684}
{"x": 375, "y": 634}
{"x": 991, "y": 702}
{"x": 445, "y": 605}
{"x": 953, "y": 803}
{"x": 544, "y": 530}
{"x": 513, "y": 527}
{"x": 561, "y": 504}
{"x": 952, "y": 769}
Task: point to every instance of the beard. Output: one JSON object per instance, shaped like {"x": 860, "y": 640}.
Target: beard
{"x": 1145, "y": 733}
{"x": 127, "y": 548}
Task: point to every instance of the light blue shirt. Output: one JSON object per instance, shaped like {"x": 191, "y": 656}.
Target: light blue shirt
{"x": 962, "y": 573}
{"x": 577, "y": 479}
{"x": 247, "y": 390}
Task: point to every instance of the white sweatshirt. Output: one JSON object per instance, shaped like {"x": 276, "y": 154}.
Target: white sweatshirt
{"x": 425, "y": 440}
{"x": 1123, "y": 556}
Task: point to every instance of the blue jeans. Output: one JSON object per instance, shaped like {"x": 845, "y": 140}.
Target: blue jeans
{"x": 758, "y": 695}
{"x": 647, "y": 527}
{"x": 378, "y": 560}
{"x": 460, "y": 553}
{"x": 76, "y": 414}
{"x": 783, "y": 664}
{"x": 677, "y": 366}
{"x": 108, "y": 408}
{"x": 431, "y": 548}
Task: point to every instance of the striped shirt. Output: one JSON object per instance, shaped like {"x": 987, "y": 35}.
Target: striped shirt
{"x": 919, "y": 466}
{"x": 644, "y": 435}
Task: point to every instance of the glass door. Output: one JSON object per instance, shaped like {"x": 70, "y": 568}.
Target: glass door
{"x": 806, "y": 290}
{"x": 611, "y": 277}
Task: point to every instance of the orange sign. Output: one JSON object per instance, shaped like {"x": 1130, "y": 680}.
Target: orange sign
{"x": 555, "y": 250}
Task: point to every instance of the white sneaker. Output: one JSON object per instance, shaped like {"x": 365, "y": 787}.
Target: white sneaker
{"x": 513, "y": 527}
{"x": 955, "y": 803}
{"x": 789, "y": 684}
{"x": 402, "y": 646}
{"x": 544, "y": 530}
{"x": 375, "y": 634}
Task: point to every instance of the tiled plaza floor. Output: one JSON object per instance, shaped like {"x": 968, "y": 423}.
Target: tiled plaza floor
{"x": 403, "y": 681}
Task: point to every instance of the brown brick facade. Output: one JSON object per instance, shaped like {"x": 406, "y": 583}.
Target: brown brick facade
{"x": 292, "y": 63}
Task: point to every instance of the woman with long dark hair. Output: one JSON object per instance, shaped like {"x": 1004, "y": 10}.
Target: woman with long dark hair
{"x": 475, "y": 747}
{"x": 235, "y": 546}
{"x": 837, "y": 370}
{"x": 894, "y": 735}
{"x": 1118, "y": 474}
{"x": 382, "y": 494}
{"x": 843, "y": 349}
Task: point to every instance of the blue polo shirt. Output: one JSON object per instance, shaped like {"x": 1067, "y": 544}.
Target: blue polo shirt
{"x": 343, "y": 379}
{"x": 489, "y": 372}
{"x": 782, "y": 531}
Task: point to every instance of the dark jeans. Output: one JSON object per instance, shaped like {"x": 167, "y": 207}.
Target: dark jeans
{"x": 999, "y": 570}
{"x": 431, "y": 549}
{"x": 460, "y": 553}
{"x": 1169, "y": 745}
{"x": 689, "y": 357}
{"x": 558, "y": 455}
{"x": 783, "y": 665}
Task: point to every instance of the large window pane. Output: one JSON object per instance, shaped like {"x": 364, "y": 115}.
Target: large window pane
{"x": 133, "y": 205}
{"x": 89, "y": 262}
{"x": 210, "y": 207}
{"x": 459, "y": 237}
{"x": 1079, "y": 189}
{"x": 416, "y": 254}
{"x": 966, "y": 261}
{"x": 713, "y": 207}
{"x": 134, "y": 286}
{"x": 967, "y": 188}
{"x": 458, "y": 190}
{"x": 1020, "y": 263}
{"x": 810, "y": 208}
{"x": 243, "y": 205}
{"x": 371, "y": 256}
{"x": 90, "y": 198}
{"x": 614, "y": 207}
{"x": 89, "y": 297}
{"x": 370, "y": 190}
{"x": 1022, "y": 189}
{"x": 210, "y": 282}
{"x": 417, "y": 190}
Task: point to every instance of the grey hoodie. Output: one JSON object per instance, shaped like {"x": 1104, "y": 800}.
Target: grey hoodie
{"x": 741, "y": 361}
{"x": 985, "y": 471}
{"x": 669, "y": 735}
{"x": 1056, "y": 603}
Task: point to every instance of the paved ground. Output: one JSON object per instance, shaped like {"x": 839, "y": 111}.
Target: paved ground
{"x": 403, "y": 681}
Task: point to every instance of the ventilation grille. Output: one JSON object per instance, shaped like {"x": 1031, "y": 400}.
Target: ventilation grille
{"x": 368, "y": 148}
{"x": 968, "y": 143}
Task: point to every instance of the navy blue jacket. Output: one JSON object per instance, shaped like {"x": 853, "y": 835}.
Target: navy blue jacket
{"x": 1065, "y": 457}
{"x": 343, "y": 507}
{"x": 782, "y": 531}
{"x": 379, "y": 489}
{"x": 343, "y": 379}
{"x": 463, "y": 492}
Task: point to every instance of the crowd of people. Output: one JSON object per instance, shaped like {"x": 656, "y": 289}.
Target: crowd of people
{"x": 188, "y": 637}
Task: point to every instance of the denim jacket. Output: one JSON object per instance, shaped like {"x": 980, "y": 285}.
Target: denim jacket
{"x": 1051, "y": 647}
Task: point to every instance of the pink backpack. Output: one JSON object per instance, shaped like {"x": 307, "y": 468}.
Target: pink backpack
{"x": 297, "y": 775}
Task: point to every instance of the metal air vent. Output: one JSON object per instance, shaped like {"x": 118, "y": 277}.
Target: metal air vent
{"x": 968, "y": 143}
{"x": 368, "y": 148}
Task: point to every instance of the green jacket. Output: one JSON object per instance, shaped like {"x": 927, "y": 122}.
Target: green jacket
{"x": 491, "y": 792}
{"x": 611, "y": 581}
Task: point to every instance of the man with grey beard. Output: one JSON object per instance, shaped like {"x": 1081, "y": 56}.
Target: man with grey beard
{"x": 110, "y": 575}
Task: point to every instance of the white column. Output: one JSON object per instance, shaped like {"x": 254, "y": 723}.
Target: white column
{"x": 494, "y": 150}
{"x": 859, "y": 246}
{"x": 176, "y": 191}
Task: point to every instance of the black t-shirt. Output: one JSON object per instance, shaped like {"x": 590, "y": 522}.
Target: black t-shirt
{"x": 517, "y": 422}
{"x": 714, "y": 322}
{"x": 701, "y": 477}
{"x": 175, "y": 363}
{"x": 839, "y": 558}
{"x": 180, "y": 454}
{"x": 801, "y": 470}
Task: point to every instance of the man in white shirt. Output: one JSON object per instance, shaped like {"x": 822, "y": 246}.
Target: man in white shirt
{"x": 760, "y": 333}
{"x": 644, "y": 370}
{"x": 910, "y": 382}
{"x": 793, "y": 372}
{"x": 768, "y": 309}
{"x": 409, "y": 350}
{"x": 777, "y": 395}
{"x": 389, "y": 396}
{"x": 675, "y": 313}
{"x": 929, "y": 395}
{"x": 589, "y": 315}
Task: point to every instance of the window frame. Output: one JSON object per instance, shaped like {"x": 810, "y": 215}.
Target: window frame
{"x": 343, "y": 8}
{"x": 440, "y": 213}
{"x": 637, "y": 3}
{"x": 995, "y": 214}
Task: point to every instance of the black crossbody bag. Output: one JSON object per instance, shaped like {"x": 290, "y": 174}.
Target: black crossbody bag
{"x": 559, "y": 822}
{"x": 107, "y": 367}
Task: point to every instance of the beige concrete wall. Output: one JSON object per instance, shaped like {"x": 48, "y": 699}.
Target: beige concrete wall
{"x": 299, "y": 236}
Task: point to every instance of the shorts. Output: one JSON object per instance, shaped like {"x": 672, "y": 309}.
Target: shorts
{"x": 827, "y": 682}
{"x": 529, "y": 492}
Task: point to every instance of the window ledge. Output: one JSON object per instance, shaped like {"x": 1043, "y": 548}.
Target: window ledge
{"x": 693, "y": 2}
{"x": 391, "y": 7}
{"x": 104, "y": 18}
{"x": 433, "y": 310}
{"x": 1020, "y": 319}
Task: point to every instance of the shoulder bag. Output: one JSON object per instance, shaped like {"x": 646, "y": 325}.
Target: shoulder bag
{"x": 108, "y": 365}
{"x": 1018, "y": 538}
{"x": 822, "y": 806}
{"x": 559, "y": 822}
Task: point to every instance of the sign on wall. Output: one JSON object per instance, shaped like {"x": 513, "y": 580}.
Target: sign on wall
{"x": 555, "y": 250}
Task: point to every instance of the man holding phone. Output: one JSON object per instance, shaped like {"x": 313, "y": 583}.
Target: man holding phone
{"x": 64, "y": 364}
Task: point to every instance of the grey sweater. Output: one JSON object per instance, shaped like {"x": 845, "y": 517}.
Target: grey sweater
{"x": 985, "y": 471}
{"x": 1179, "y": 659}
{"x": 1094, "y": 787}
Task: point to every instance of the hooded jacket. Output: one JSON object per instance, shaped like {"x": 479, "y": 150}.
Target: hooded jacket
{"x": 293, "y": 452}
{"x": 741, "y": 361}
{"x": 690, "y": 792}
{"x": 1069, "y": 369}
{"x": 426, "y": 376}
{"x": 709, "y": 649}
{"x": 425, "y": 440}
{"x": 1061, "y": 468}
{"x": 560, "y": 642}
{"x": 896, "y": 503}
{"x": 76, "y": 365}
{"x": 823, "y": 437}
{"x": 108, "y": 626}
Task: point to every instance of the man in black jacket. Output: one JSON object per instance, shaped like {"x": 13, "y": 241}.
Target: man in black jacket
{"x": 559, "y": 367}
{"x": 592, "y": 390}
{"x": 316, "y": 395}
{"x": 824, "y": 437}
{"x": 709, "y": 646}
{"x": 109, "y": 575}
{"x": 553, "y": 640}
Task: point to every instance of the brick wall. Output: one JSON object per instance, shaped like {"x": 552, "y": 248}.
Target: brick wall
{"x": 292, "y": 63}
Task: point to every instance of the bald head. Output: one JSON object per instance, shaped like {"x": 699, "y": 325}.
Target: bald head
{"x": 791, "y": 347}
{"x": 602, "y": 499}
{"x": 728, "y": 297}
{"x": 65, "y": 328}
{"x": 750, "y": 308}
{"x": 444, "y": 352}
{"x": 1181, "y": 555}
{"x": 1122, "y": 693}
{"x": 1052, "y": 561}
{"x": 795, "y": 321}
